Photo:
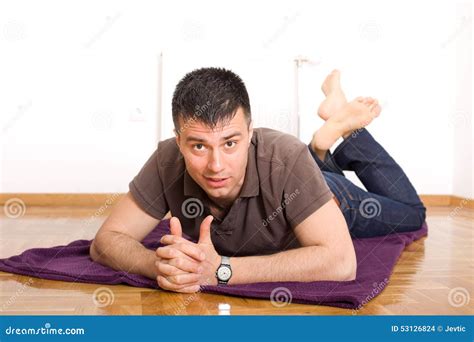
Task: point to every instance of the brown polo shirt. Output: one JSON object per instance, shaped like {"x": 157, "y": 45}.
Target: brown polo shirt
{"x": 282, "y": 187}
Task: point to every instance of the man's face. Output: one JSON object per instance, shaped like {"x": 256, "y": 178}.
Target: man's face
{"x": 216, "y": 159}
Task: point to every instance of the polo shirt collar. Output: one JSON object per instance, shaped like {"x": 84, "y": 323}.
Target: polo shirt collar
{"x": 250, "y": 188}
{"x": 191, "y": 188}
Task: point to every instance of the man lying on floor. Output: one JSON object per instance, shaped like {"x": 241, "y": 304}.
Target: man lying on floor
{"x": 261, "y": 205}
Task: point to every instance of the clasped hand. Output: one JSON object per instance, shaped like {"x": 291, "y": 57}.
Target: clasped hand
{"x": 185, "y": 266}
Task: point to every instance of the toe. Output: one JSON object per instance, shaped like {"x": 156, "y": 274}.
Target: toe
{"x": 375, "y": 110}
{"x": 378, "y": 110}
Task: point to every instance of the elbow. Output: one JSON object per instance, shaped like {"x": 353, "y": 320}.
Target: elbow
{"x": 94, "y": 252}
{"x": 347, "y": 270}
{"x": 349, "y": 273}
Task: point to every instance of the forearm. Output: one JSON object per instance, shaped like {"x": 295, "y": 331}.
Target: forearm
{"x": 304, "y": 264}
{"x": 123, "y": 253}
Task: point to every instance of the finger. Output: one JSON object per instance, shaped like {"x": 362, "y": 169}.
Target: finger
{"x": 178, "y": 251}
{"x": 190, "y": 289}
{"x": 191, "y": 250}
{"x": 167, "y": 285}
{"x": 169, "y": 252}
{"x": 175, "y": 227}
{"x": 166, "y": 269}
{"x": 171, "y": 239}
{"x": 187, "y": 279}
{"x": 186, "y": 265}
{"x": 205, "y": 230}
{"x": 177, "y": 266}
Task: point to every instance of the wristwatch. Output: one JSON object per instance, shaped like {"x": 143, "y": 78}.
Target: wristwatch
{"x": 224, "y": 271}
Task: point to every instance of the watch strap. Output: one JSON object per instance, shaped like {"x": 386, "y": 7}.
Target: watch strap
{"x": 225, "y": 260}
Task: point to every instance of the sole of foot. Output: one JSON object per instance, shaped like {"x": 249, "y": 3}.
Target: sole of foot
{"x": 335, "y": 97}
{"x": 358, "y": 114}
{"x": 352, "y": 116}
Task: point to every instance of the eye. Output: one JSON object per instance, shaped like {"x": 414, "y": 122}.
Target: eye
{"x": 198, "y": 147}
{"x": 230, "y": 144}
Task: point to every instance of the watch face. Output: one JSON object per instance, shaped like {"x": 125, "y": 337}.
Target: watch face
{"x": 224, "y": 273}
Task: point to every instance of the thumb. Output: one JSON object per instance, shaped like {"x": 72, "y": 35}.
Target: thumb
{"x": 205, "y": 230}
{"x": 175, "y": 227}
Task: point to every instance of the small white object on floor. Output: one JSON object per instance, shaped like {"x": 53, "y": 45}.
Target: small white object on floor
{"x": 224, "y": 309}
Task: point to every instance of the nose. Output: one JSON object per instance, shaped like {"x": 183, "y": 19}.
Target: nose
{"x": 215, "y": 162}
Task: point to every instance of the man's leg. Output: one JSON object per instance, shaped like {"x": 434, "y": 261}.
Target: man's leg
{"x": 326, "y": 161}
{"x": 390, "y": 203}
{"x": 368, "y": 214}
{"x": 375, "y": 168}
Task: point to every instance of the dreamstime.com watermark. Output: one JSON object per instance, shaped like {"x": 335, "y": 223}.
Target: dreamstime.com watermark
{"x": 466, "y": 21}
{"x": 100, "y": 211}
{"x": 192, "y": 208}
{"x": 199, "y": 110}
{"x": 22, "y": 109}
{"x": 24, "y": 287}
{"x": 377, "y": 288}
{"x": 102, "y": 297}
{"x": 277, "y": 211}
{"x": 370, "y": 207}
{"x": 46, "y": 330}
{"x": 455, "y": 211}
{"x": 109, "y": 21}
{"x": 459, "y": 296}
{"x": 14, "y": 208}
{"x": 281, "y": 296}
{"x": 189, "y": 299}
{"x": 282, "y": 28}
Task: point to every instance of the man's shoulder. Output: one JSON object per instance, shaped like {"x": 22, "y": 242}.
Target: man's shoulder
{"x": 168, "y": 153}
{"x": 277, "y": 146}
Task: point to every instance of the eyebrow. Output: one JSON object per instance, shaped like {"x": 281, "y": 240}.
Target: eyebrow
{"x": 235, "y": 134}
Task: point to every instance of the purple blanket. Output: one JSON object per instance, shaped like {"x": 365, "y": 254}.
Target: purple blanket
{"x": 376, "y": 258}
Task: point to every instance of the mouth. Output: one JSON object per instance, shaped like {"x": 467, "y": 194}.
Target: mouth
{"x": 216, "y": 182}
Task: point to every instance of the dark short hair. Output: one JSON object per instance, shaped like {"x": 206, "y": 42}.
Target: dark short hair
{"x": 211, "y": 96}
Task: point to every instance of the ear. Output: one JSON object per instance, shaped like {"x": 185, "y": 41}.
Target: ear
{"x": 177, "y": 136}
{"x": 250, "y": 131}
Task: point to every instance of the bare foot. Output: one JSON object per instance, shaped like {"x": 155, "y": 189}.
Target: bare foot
{"x": 352, "y": 116}
{"x": 335, "y": 97}
{"x": 374, "y": 109}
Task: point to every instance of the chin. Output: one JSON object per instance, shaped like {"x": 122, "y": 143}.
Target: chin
{"x": 217, "y": 193}
{"x": 221, "y": 193}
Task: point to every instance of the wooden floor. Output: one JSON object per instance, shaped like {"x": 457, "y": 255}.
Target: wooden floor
{"x": 433, "y": 276}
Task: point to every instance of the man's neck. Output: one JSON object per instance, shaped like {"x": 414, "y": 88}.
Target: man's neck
{"x": 221, "y": 204}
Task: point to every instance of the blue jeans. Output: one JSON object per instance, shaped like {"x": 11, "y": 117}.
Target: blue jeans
{"x": 390, "y": 204}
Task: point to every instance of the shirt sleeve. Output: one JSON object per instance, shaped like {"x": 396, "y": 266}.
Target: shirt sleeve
{"x": 147, "y": 189}
{"x": 305, "y": 190}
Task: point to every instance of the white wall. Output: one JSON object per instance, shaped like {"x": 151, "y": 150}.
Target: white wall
{"x": 78, "y": 83}
{"x": 462, "y": 116}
